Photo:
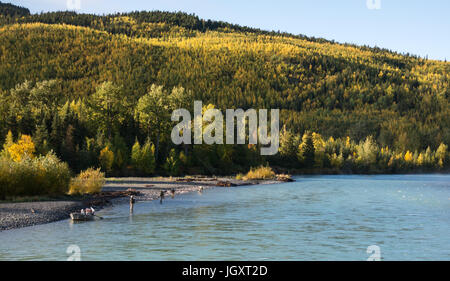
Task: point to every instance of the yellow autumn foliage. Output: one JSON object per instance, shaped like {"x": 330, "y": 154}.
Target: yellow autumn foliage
{"x": 408, "y": 156}
{"x": 22, "y": 149}
{"x": 106, "y": 159}
{"x": 87, "y": 182}
{"x": 261, "y": 173}
{"x": 43, "y": 175}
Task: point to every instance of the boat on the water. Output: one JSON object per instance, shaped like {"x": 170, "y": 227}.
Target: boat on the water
{"x": 81, "y": 217}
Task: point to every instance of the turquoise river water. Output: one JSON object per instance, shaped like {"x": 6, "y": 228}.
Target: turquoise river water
{"x": 402, "y": 217}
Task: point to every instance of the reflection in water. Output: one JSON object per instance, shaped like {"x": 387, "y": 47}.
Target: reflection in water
{"x": 315, "y": 218}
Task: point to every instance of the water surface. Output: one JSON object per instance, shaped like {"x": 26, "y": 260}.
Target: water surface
{"x": 314, "y": 218}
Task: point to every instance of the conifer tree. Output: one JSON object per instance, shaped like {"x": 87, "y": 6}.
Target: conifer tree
{"x": 306, "y": 151}
{"x": 40, "y": 138}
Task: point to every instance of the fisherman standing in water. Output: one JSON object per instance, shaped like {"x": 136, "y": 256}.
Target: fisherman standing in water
{"x": 172, "y": 191}
{"x": 161, "y": 196}
{"x": 132, "y": 201}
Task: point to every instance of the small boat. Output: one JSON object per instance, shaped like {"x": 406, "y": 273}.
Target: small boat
{"x": 81, "y": 217}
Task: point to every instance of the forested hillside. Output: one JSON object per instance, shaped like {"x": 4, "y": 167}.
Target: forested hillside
{"x": 10, "y": 11}
{"x": 57, "y": 68}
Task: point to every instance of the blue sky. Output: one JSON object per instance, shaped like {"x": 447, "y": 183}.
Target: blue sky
{"x": 419, "y": 27}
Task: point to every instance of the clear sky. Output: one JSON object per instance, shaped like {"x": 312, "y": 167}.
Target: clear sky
{"x": 419, "y": 27}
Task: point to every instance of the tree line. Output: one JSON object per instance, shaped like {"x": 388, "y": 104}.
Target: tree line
{"x": 10, "y": 11}
{"x": 126, "y": 137}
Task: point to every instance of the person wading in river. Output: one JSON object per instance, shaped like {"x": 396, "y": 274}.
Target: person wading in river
{"x": 132, "y": 201}
{"x": 161, "y": 196}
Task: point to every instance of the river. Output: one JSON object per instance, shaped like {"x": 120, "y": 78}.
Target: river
{"x": 399, "y": 217}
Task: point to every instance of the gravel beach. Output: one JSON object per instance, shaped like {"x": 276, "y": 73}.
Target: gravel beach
{"x": 17, "y": 215}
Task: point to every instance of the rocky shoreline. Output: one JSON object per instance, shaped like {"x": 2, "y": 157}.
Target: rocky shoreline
{"x": 17, "y": 215}
{"x": 115, "y": 191}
